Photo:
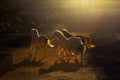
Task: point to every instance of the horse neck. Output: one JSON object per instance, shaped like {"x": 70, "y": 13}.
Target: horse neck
{"x": 61, "y": 38}
{"x": 68, "y": 34}
{"x": 37, "y": 32}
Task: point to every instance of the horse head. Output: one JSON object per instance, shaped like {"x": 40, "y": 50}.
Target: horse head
{"x": 35, "y": 32}
{"x": 56, "y": 34}
{"x": 66, "y": 33}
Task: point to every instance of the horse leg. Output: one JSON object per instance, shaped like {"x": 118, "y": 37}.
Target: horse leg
{"x": 82, "y": 56}
{"x": 59, "y": 54}
{"x": 45, "y": 48}
{"x": 36, "y": 52}
{"x": 32, "y": 53}
{"x": 67, "y": 55}
{"x": 73, "y": 59}
{"x": 79, "y": 58}
{"x": 31, "y": 49}
{"x": 44, "y": 53}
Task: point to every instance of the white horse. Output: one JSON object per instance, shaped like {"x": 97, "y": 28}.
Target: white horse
{"x": 38, "y": 42}
{"x": 72, "y": 44}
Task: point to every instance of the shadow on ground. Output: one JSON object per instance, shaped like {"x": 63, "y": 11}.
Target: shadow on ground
{"x": 63, "y": 66}
{"x": 29, "y": 63}
{"x": 6, "y": 63}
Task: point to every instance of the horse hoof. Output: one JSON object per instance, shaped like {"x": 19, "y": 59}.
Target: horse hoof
{"x": 76, "y": 62}
{"x": 66, "y": 61}
{"x": 58, "y": 61}
{"x": 71, "y": 61}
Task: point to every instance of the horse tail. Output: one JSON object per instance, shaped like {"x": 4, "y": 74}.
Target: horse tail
{"x": 90, "y": 46}
{"x": 49, "y": 43}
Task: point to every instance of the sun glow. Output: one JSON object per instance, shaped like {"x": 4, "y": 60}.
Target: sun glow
{"x": 82, "y": 3}
{"x": 85, "y": 4}
{"x": 85, "y": 7}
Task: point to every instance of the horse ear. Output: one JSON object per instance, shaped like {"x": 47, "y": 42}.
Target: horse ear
{"x": 55, "y": 31}
{"x": 58, "y": 31}
{"x": 33, "y": 29}
{"x": 64, "y": 29}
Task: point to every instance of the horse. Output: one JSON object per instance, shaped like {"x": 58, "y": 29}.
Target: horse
{"x": 85, "y": 39}
{"x": 72, "y": 44}
{"x": 38, "y": 42}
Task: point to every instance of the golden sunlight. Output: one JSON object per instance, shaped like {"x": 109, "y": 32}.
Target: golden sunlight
{"x": 89, "y": 7}
{"x": 86, "y": 4}
{"x": 82, "y": 3}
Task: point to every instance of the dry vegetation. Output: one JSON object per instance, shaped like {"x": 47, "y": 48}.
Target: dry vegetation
{"x": 29, "y": 69}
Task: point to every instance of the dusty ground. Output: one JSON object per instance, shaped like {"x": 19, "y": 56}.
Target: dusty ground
{"x": 35, "y": 69}
{"x": 101, "y": 63}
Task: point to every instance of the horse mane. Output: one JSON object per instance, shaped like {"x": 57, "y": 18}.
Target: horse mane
{"x": 66, "y": 33}
{"x": 33, "y": 29}
{"x": 58, "y": 31}
{"x": 64, "y": 29}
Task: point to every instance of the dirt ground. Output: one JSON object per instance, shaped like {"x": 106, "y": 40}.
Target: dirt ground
{"x": 29, "y": 68}
{"x": 100, "y": 63}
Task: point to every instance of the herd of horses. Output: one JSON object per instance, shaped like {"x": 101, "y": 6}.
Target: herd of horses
{"x": 66, "y": 43}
